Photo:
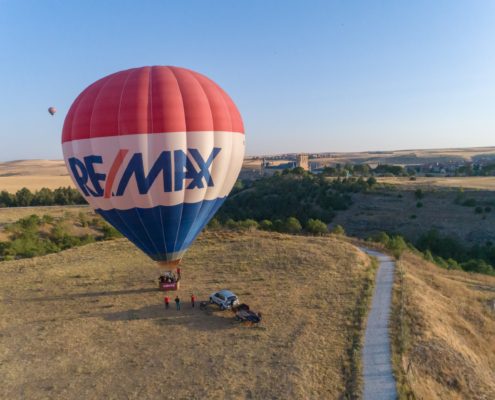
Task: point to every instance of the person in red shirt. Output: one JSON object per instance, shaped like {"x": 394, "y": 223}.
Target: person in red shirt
{"x": 178, "y": 273}
{"x": 167, "y": 302}
{"x": 193, "y": 300}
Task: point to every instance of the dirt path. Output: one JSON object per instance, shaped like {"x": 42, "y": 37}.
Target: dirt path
{"x": 379, "y": 381}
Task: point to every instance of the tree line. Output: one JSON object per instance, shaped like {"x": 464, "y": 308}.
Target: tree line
{"x": 445, "y": 251}
{"x": 294, "y": 193}
{"x": 44, "y": 197}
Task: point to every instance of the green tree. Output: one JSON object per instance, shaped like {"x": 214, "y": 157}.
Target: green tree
{"x": 381, "y": 237}
{"x": 250, "y": 224}
{"x": 419, "y": 194}
{"x": 316, "y": 227}
{"x": 338, "y": 230}
{"x": 292, "y": 225}
{"x": 266, "y": 225}
{"x": 397, "y": 245}
{"x": 23, "y": 197}
{"x": 371, "y": 181}
{"x": 214, "y": 224}
{"x": 43, "y": 197}
{"x": 6, "y": 199}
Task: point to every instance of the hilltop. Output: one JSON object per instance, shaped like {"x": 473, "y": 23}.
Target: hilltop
{"x": 89, "y": 323}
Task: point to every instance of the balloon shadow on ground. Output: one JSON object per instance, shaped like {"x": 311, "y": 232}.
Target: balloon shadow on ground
{"x": 95, "y": 294}
{"x": 192, "y": 318}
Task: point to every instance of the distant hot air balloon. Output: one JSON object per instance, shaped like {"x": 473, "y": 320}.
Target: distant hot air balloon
{"x": 155, "y": 150}
{"x": 52, "y": 110}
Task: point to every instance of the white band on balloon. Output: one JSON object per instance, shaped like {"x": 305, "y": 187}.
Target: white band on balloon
{"x": 213, "y": 154}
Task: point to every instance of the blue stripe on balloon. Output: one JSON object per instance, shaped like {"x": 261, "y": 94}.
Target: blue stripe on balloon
{"x": 163, "y": 232}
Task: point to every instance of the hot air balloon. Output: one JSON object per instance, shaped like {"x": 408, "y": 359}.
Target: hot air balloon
{"x": 155, "y": 151}
{"x": 52, "y": 110}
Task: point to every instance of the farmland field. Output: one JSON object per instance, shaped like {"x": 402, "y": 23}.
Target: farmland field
{"x": 33, "y": 174}
{"x": 466, "y": 182}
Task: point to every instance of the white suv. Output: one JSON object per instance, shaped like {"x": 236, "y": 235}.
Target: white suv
{"x": 224, "y": 299}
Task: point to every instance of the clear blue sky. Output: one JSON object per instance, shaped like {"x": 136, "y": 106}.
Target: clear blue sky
{"x": 306, "y": 75}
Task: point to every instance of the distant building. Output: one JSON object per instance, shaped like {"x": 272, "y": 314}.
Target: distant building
{"x": 302, "y": 161}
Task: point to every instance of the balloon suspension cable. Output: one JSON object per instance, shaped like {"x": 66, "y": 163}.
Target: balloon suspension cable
{"x": 164, "y": 266}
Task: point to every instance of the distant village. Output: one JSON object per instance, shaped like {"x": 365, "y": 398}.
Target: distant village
{"x": 380, "y": 164}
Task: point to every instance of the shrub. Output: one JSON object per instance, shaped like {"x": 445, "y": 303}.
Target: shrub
{"x": 397, "y": 245}
{"x": 419, "y": 204}
{"x": 214, "y": 224}
{"x": 47, "y": 219}
{"x": 478, "y": 210}
{"x": 381, "y": 237}
{"x": 428, "y": 256}
{"x": 338, "y": 230}
{"x": 480, "y": 266}
{"x": 292, "y": 225}
{"x": 469, "y": 203}
{"x": 453, "y": 264}
{"x": 316, "y": 227}
{"x": 278, "y": 225}
{"x": 83, "y": 219}
{"x": 266, "y": 225}
{"x": 231, "y": 224}
{"x": 371, "y": 181}
{"x": 250, "y": 224}
{"x": 109, "y": 232}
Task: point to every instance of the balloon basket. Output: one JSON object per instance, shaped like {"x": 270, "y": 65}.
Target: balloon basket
{"x": 168, "y": 287}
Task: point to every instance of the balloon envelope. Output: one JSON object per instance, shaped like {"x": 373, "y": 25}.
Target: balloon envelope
{"x": 52, "y": 110}
{"x": 155, "y": 150}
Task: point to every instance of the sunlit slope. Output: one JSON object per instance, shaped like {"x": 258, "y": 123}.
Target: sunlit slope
{"x": 33, "y": 174}
{"x": 449, "y": 333}
{"x": 88, "y": 322}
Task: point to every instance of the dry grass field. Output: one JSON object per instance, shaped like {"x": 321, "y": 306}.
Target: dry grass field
{"x": 397, "y": 157}
{"x": 12, "y": 214}
{"x": 33, "y": 174}
{"x": 467, "y": 182}
{"x": 448, "y": 332}
{"x": 88, "y": 323}
{"x": 413, "y": 156}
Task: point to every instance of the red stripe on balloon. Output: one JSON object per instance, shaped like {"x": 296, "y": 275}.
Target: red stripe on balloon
{"x": 119, "y": 159}
{"x": 151, "y": 100}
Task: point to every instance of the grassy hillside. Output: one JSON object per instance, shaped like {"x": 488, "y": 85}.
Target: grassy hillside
{"x": 451, "y": 212}
{"x": 89, "y": 323}
{"x": 444, "y": 330}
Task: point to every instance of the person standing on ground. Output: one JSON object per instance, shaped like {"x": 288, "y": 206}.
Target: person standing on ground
{"x": 166, "y": 301}
{"x": 177, "y": 303}
{"x": 193, "y": 300}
